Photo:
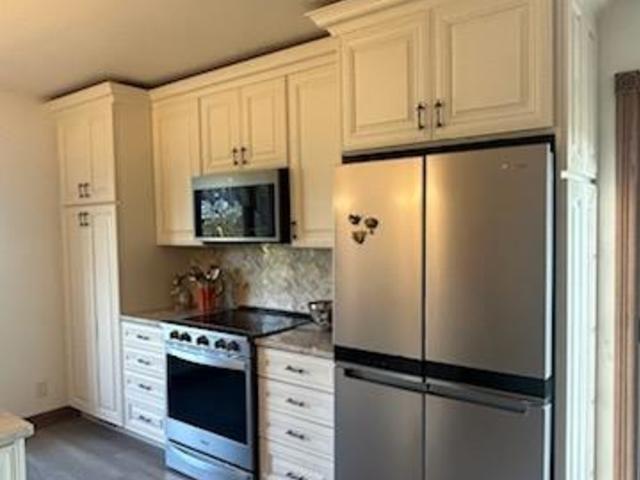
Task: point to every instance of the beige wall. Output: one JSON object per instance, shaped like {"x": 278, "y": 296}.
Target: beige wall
{"x": 31, "y": 308}
{"x": 619, "y": 51}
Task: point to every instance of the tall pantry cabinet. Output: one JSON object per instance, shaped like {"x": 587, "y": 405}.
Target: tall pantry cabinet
{"x": 111, "y": 261}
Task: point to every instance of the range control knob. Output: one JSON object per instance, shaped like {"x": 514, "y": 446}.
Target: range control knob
{"x": 202, "y": 340}
{"x": 185, "y": 337}
{"x": 233, "y": 346}
{"x": 174, "y": 335}
{"x": 221, "y": 343}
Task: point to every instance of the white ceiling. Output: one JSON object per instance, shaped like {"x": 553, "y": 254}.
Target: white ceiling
{"x": 50, "y": 47}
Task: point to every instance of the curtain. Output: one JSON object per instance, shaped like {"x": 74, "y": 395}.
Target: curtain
{"x": 628, "y": 194}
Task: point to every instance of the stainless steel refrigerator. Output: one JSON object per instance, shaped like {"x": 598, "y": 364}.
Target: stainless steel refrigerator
{"x": 444, "y": 316}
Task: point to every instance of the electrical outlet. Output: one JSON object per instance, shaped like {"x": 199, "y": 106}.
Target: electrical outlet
{"x": 42, "y": 389}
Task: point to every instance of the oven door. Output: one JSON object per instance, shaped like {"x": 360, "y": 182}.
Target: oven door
{"x": 210, "y": 405}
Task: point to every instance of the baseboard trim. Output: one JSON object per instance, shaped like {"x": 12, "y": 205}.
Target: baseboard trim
{"x": 52, "y": 417}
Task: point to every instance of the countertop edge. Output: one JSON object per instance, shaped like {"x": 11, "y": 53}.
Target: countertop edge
{"x": 13, "y": 428}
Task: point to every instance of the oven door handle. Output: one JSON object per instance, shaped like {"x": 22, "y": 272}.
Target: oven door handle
{"x": 207, "y": 359}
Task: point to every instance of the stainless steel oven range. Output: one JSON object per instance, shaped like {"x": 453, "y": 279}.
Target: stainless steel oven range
{"x": 211, "y": 399}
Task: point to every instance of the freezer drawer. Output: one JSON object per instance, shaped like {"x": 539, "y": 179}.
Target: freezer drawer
{"x": 378, "y": 430}
{"x": 489, "y": 237}
{"x": 467, "y": 440}
{"x": 378, "y": 257}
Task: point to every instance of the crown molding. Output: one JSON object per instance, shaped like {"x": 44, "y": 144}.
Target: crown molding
{"x": 272, "y": 63}
{"x": 110, "y": 91}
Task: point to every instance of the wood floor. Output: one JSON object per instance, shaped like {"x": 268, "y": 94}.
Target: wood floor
{"x": 78, "y": 449}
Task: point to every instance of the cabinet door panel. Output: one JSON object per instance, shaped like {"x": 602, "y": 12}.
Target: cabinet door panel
{"x": 80, "y": 310}
{"x": 315, "y": 151}
{"x": 220, "y": 116}
{"x": 73, "y": 151}
{"x": 264, "y": 128}
{"x": 102, "y": 222}
{"x": 86, "y": 155}
{"x": 177, "y": 160}
{"x": 493, "y": 64}
{"x": 102, "y": 186}
{"x": 384, "y": 74}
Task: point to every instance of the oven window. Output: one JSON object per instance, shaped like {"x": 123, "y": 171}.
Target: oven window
{"x": 210, "y": 398}
{"x": 236, "y": 212}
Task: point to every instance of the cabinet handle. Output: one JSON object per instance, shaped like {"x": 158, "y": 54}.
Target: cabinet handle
{"x": 144, "y": 362}
{"x": 80, "y": 191}
{"x": 299, "y": 371}
{"x": 83, "y": 219}
{"x": 296, "y": 435}
{"x": 296, "y": 403}
{"x": 87, "y": 190}
{"x": 439, "y": 105}
{"x": 420, "y": 109}
{"x": 234, "y": 155}
{"x": 144, "y": 419}
{"x": 243, "y": 155}
{"x": 294, "y": 229}
{"x": 294, "y": 476}
{"x": 144, "y": 387}
{"x": 144, "y": 338}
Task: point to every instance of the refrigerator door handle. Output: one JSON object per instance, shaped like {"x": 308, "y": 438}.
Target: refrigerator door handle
{"x": 387, "y": 379}
{"x": 519, "y": 406}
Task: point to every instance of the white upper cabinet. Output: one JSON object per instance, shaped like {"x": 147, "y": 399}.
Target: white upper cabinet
{"x": 314, "y": 135}
{"x": 385, "y": 83}
{"x": 176, "y": 161}
{"x": 220, "y": 117}
{"x": 493, "y": 64}
{"x": 244, "y": 127}
{"x": 416, "y": 71}
{"x": 86, "y": 154}
{"x": 264, "y": 125}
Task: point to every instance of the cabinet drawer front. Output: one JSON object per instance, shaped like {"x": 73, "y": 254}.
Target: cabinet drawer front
{"x": 148, "y": 363}
{"x": 145, "y": 419}
{"x": 296, "y": 433}
{"x": 283, "y": 463}
{"x": 310, "y": 372}
{"x": 145, "y": 387}
{"x": 297, "y": 401}
{"x": 143, "y": 336}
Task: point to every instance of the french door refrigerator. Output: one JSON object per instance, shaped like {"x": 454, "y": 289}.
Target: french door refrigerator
{"x": 443, "y": 331}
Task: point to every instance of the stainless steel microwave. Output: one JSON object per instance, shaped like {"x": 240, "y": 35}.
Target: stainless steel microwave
{"x": 243, "y": 207}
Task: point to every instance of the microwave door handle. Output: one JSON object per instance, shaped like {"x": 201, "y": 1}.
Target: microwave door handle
{"x": 207, "y": 359}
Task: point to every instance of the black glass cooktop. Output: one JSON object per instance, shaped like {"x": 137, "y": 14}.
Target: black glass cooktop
{"x": 250, "y": 322}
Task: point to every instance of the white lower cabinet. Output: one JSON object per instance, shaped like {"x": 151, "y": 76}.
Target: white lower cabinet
{"x": 296, "y": 416}
{"x": 284, "y": 463}
{"x": 144, "y": 379}
{"x": 12, "y": 461}
{"x": 91, "y": 264}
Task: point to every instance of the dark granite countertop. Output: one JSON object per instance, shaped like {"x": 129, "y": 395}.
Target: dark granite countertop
{"x": 307, "y": 340}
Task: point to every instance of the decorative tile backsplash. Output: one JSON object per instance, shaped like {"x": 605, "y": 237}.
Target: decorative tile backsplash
{"x": 272, "y": 276}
